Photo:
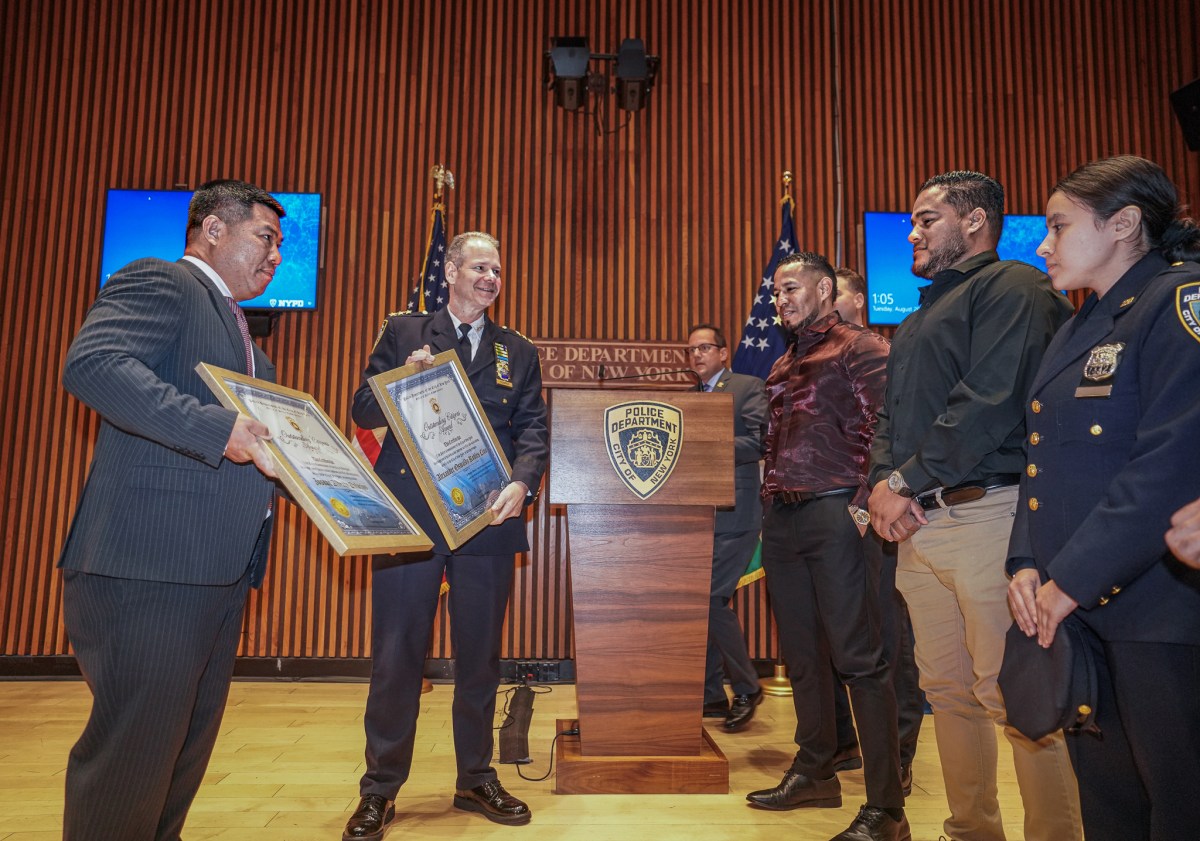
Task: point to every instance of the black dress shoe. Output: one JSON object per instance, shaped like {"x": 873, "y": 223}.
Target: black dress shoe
{"x": 741, "y": 710}
{"x": 874, "y": 824}
{"x": 370, "y": 820}
{"x": 716, "y": 709}
{"x": 494, "y": 803}
{"x": 906, "y": 779}
{"x": 797, "y": 791}
{"x": 847, "y": 759}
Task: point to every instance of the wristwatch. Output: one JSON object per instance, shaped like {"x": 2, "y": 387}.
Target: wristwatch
{"x": 897, "y": 485}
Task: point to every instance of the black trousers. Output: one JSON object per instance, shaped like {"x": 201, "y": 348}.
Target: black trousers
{"x": 898, "y": 651}
{"x": 404, "y": 600}
{"x": 824, "y": 594}
{"x": 1141, "y": 782}
{"x": 158, "y": 658}
{"x": 727, "y": 655}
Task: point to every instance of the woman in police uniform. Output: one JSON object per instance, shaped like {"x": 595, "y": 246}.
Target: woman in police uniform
{"x": 1113, "y": 451}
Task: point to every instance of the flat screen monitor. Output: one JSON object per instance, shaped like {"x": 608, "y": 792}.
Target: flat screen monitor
{"x": 892, "y": 288}
{"x": 151, "y": 223}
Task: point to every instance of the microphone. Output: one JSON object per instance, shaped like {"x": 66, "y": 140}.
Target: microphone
{"x": 601, "y": 378}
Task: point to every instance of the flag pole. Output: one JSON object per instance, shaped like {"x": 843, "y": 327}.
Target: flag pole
{"x": 779, "y": 684}
{"x": 443, "y": 179}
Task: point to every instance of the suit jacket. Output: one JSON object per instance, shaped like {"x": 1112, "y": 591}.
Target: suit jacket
{"x": 517, "y": 415}
{"x": 1105, "y": 473}
{"x": 749, "y": 428}
{"x": 161, "y": 502}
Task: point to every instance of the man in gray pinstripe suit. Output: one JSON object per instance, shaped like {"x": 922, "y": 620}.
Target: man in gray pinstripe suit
{"x": 174, "y": 522}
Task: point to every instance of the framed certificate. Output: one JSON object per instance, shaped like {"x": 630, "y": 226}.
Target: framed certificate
{"x": 449, "y": 444}
{"x": 325, "y": 475}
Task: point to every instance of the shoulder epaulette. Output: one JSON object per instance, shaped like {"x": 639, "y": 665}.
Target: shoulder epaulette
{"x": 508, "y": 329}
{"x": 408, "y": 312}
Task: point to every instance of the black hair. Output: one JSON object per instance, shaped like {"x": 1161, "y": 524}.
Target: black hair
{"x": 1109, "y": 184}
{"x": 229, "y": 200}
{"x": 965, "y": 190}
{"x": 717, "y": 332}
{"x": 814, "y": 262}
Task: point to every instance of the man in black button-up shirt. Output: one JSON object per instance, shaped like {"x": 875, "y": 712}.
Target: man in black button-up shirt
{"x": 944, "y": 467}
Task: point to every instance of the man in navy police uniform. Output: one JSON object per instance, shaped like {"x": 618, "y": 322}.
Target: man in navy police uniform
{"x": 503, "y": 368}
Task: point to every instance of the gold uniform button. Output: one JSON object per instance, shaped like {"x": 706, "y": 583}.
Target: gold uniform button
{"x": 1116, "y": 590}
{"x": 1034, "y": 438}
{"x": 1031, "y": 470}
{"x": 1033, "y": 503}
{"x": 1103, "y": 601}
{"x": 1096, "y": 429}
{"x": 1036, "y": 405}
{"x": 403, "y": 471}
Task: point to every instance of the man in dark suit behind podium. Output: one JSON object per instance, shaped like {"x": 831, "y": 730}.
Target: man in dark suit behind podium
{"x": 504, "y": 371}
{"x": 173, "y": 525}
{"x": 736, "y": 532}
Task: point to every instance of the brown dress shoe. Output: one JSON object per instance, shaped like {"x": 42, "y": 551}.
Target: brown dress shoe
{"x": 797, "y": 791}
{"x": 370, "y": 820}
{"x": 494, "y": 803}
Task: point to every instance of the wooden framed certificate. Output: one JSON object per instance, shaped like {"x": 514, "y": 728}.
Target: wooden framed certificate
{"x": 325, "y": 475}
{"x": 449, "y": 443}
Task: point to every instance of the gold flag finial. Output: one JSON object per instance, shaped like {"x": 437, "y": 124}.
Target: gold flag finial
{"x": 787, "y": 188}
{"x": 442, "y": 179}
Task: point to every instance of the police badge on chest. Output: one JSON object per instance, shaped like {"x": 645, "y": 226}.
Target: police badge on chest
{"x": 1099, "y": 369}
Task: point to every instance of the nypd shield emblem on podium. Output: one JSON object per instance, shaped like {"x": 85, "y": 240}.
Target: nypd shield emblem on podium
{"x": 644, "y": 437}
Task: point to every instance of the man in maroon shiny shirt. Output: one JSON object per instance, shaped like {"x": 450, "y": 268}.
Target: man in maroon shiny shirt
{"x": 823, "y": 396}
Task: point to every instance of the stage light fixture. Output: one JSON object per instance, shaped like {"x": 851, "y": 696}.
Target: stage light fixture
{"x": 635, "y": 74}
{"x": 566, "y": 71}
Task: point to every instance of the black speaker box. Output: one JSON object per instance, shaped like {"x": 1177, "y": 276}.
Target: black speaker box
{"x": 1186, "y": 102}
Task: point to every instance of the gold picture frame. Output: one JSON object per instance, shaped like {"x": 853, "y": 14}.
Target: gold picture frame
{"x": 325, "y": 475}
{"x": 450, "y": 446}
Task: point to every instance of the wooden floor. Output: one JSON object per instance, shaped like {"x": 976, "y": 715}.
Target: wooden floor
{"x": 287, "y": 764}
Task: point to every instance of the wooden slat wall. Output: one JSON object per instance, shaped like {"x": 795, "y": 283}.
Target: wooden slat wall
{"x": 635, "y": 233}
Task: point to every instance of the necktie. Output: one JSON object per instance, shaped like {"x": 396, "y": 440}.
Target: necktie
{"x": 240, "y": 318}
{"x": 465, "y": 351}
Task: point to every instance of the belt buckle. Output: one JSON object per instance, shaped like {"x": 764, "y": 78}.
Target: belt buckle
{"x": 930, "y": 500}
{"x": 961, "y": 495}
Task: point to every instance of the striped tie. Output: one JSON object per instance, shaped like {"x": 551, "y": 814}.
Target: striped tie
{"x": 240, "y": 318}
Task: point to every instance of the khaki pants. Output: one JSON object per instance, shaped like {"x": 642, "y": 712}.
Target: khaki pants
{"x": 951, "y": 573}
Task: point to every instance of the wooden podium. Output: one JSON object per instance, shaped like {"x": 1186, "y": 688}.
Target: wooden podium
{"x": 640, "y": 555}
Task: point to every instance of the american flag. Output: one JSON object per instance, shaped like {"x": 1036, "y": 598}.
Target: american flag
{"x": 428, "y": 295}
{"x": 763, "y": 339}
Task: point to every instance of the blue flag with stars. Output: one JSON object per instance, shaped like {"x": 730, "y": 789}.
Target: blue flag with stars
{"x": 431, "y": 293}
{"x": 763, "y": 339}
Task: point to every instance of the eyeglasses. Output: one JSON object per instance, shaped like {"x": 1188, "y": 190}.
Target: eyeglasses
{"x": 702, "y": 348}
